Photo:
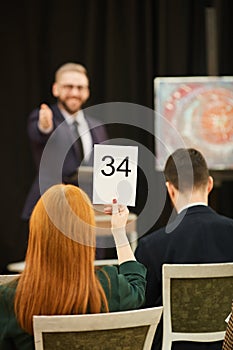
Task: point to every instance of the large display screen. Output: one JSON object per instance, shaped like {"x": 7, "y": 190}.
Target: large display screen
{"x": 195, "y": 112}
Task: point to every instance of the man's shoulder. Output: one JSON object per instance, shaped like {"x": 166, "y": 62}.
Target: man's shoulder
{"x": 93, "y": 121}
{"x": 7, "y": 291}
{"x": 154, "y": 236}
{"x": 151, "y": 245}
{"x": 56, "y": 111}
{"x": 217, "y": 217}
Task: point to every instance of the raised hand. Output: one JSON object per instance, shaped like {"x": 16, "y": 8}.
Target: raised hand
{"x": 45, "y": 118}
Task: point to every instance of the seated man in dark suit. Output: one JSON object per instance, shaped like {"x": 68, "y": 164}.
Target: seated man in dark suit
{"x": 196, "y": 235}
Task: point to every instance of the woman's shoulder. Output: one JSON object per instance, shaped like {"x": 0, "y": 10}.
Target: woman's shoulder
{"x": 7, "y": 290}
{"x": 7, "y": 294}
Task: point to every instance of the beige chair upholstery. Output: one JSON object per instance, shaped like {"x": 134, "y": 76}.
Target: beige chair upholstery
{"x": 129, "y": 330}
{"x": 7, "y": 278}
{"x": 196, "y": 299}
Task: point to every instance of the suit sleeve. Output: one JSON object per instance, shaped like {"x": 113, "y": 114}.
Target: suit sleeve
{"x": 124, "y": 286}
{"x": 34, "y": 134}
{"x": 149, "y": 256}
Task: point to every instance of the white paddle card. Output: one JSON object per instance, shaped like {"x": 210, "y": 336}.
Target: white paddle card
{"x": 115, "y": 174}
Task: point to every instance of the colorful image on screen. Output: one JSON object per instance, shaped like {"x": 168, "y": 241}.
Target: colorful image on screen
{"x": 195, "y": 112}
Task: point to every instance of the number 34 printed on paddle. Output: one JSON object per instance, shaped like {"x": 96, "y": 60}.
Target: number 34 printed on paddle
{"x": 115, "y": 174}
{"x": 110, "y": 166}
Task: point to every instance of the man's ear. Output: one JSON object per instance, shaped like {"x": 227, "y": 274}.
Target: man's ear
{"x": 55, "y": 90}
{"x": 210, "y": 184}
{"x": 88, "y": 93}
{"x": 171, "y": 190}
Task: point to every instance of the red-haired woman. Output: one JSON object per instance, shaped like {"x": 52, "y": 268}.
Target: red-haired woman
{"x": 60, "y": 276}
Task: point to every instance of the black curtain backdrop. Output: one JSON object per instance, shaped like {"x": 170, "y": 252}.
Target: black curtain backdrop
{"x": 124, "y": 44}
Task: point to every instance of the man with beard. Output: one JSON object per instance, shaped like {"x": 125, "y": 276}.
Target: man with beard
{"x": 62, "y": 135}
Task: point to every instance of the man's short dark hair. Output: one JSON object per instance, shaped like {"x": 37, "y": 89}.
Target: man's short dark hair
{"x": 186, "y": 168}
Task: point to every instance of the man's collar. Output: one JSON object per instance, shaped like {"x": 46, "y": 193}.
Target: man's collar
{"x": 191, "y": 205}
{"x": 78, "y": 116}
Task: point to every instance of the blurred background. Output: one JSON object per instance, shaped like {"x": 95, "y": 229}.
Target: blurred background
{"x": 125, "y": 45}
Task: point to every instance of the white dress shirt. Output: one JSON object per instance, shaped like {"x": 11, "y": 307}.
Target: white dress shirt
{"x": 191, "y": 205}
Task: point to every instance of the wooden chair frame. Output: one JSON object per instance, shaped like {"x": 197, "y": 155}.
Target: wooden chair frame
{"x": 98, "y": 322}
{"x": 7, "y": 278}
{"x": 171, "y": 272}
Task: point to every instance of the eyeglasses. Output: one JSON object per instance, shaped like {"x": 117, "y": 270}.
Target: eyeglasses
{"x": 70, "y": 87}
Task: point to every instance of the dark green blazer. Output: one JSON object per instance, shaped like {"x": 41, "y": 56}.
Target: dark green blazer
{"x": 126, "y": 291}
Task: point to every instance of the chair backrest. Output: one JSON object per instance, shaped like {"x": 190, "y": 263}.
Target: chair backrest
{"x": 132, "y": 330}
{"x": 7, "y": 278}
{"x": 105, "y": 262}
{"x": 197, "y": 299}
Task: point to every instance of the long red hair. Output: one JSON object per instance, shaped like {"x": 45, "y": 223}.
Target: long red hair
{"x": 59, "y": 275}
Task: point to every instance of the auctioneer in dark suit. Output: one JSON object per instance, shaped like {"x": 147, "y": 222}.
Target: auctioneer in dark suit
{"x": 56, "y": 154}
{"x": 202, "y": 236}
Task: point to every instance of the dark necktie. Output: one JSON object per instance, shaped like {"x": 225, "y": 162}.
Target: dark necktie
{"x": 78, "y": 140}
